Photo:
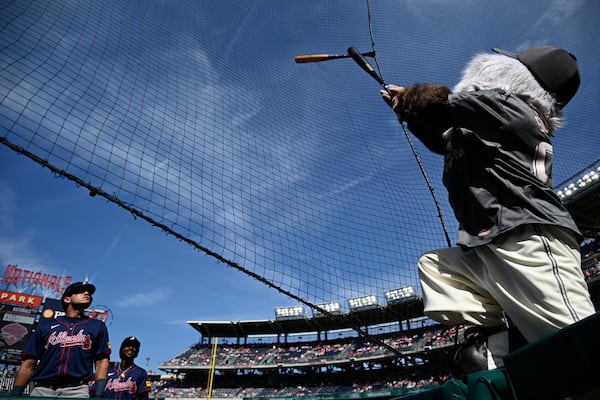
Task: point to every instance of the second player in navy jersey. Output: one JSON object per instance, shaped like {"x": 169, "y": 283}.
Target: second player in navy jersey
{"x": 126, "y": 380}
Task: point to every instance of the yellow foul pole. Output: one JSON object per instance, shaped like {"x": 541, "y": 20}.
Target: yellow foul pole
{"x": 211, "y": 373}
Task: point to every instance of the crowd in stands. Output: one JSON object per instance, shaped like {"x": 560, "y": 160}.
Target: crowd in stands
{"x": 278, "y": 357}
{"x": 590, "y": 256}
{"x": 164, "y": 391}
{"x": 312, "y": 353}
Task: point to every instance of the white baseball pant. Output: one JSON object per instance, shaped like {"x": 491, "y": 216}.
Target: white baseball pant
{"x": 532, "y": 273}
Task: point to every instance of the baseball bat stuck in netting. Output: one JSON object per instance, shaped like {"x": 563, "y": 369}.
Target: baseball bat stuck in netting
{"x": 324, "y": 57}
{"x": 364, "y": 64}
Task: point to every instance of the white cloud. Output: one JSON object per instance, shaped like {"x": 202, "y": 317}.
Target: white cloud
{"x": 559, "y": 11}
{"x": 145, "y": 298}
{"x": 113, "y": 244}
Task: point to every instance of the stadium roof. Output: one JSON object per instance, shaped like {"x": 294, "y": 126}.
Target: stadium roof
{"x": 581, "y": 196}
{"x": 586, "y": 211}
{"x": 364, "y": 318}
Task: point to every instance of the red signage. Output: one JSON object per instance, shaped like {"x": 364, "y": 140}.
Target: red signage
{"x": 20, "y": 299}
{"x": 16, "y": 276}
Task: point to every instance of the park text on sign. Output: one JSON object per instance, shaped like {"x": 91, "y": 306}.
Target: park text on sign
{"x": 20, "y": 299}
{"x": 20, "y": 276}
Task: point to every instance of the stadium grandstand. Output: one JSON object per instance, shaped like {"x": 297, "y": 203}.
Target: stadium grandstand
{"x": 318, "y": 356}
{"x": 310, "y": 356}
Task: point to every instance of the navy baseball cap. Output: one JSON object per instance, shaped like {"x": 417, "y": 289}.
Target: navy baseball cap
{"x": 131, "y": 341}
{"x": 79, "y": 287}
{"x": 555, "y": 69}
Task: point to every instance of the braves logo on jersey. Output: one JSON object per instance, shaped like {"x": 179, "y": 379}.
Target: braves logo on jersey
{"x": 63, "y": 339}
{"x": 118, "y": 385}
{"x": 130, "y": 383}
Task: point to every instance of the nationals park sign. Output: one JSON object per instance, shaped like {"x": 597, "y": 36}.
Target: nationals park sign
{"x": 20, "y": 299}
{"x": 23, "y": 277}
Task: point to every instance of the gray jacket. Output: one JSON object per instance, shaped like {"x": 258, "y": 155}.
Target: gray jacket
{"x": 498, "y": 167}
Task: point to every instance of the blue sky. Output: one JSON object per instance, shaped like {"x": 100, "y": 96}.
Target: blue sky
{"x": 324, "y": 125}
{"x": 152, "y": 283}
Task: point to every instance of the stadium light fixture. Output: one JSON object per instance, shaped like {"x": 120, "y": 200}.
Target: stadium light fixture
{"x": 293, "y": 312}
{"x": 333, "y": 307}
{"x": 400, "y": 295}
{"x": 589, "y": 178}
{"x": 363, "y": 303}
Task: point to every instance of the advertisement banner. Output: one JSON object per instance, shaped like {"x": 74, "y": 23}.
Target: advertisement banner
{"x": 16, "y": 325}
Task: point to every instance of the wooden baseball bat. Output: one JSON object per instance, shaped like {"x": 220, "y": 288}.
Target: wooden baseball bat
{"x": 324, "y": 57}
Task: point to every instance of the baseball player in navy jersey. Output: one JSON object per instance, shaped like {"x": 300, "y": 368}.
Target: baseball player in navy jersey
{"x": 518, "y": 247}
{"x": 62, "y": 353}
{"x": 126, "y": 380}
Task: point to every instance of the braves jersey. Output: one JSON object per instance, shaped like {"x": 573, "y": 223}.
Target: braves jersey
{"x": 130, "y": 383}
{"x": 498, "y": 167}
{"x": 67, "y": 348}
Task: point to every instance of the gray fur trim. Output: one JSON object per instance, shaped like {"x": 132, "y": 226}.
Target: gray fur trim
{"x": 496, "y": 71}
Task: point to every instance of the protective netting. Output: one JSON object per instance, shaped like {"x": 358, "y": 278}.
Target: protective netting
{"x": 194, "y": 116}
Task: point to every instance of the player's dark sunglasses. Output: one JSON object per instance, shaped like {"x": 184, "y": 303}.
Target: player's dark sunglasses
{"x": 80, "y": 290}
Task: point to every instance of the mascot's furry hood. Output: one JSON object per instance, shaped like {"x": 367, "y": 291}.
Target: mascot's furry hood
{"x": 496, "y": 71}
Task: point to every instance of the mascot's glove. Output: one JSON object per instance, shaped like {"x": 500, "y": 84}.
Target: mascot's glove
{"x": 17, "y": 390}
{"x": 426, "y": 110}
